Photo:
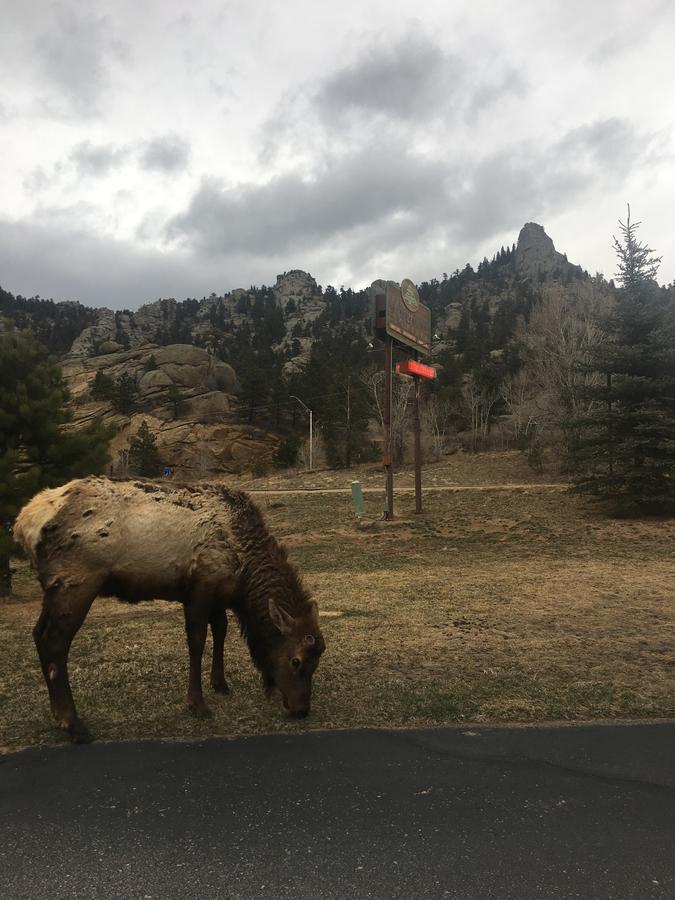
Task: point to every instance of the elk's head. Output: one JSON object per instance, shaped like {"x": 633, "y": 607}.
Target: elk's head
{"x": 295, "y": 656}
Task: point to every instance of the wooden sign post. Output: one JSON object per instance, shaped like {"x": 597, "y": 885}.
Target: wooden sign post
{"x": 401, "y": 319}
{"x": 416, "y": 370}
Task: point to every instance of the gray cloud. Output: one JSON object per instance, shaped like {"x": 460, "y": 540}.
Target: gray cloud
{"x": 364, "y": 216}
{"x": 97, "y": 271}
{"x": 611, "y": 144}
{"x": 293, "y": 210}
{"x": 88, "y": 160}
{"x": 407, "y": 82}
{"x": 169, "y": 153}
{"x": 526, "y": 182}
{"x": 506, "y": 83}
{"x": 370, "y": 203}
{"x": 74, "y": 54}
{"x": 96, "y": 160}
{"x": 413, "y": 79}
{"x": 405, "y": 79}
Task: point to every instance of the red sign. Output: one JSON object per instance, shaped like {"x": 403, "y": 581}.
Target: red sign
{"x": 412, "y": 367}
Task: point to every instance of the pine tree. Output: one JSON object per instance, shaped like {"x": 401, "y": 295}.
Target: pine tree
{"x": 144, "y": 459}
{"x": 35, "y": 450}
{"x": 254, "y": 389}
{"x": 628, "y": 446}
{"x": 176, "y": 399}
{"x": 103, "y": 387}
{"x": 125, "y": 393}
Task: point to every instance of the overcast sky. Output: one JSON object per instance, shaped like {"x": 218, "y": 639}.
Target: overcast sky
{"x": 165, "y": 149}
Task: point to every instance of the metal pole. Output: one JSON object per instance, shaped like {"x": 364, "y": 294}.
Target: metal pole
{"x": 388, "y": 467}
{"x": 348, "y": 448}
{"x": 311, "y": 441}
{"x": 418, "y": 447}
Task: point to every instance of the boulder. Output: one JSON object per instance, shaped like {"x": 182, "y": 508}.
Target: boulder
{"x": 195, "y": 449}
{"x": 207, "y": 406}
{"x": 152, "y": 381}
{"x": 185, "y": 376}
{"x": 182, "y": 355}
{"x": 224, "y": 377}
{"x": 109, "y": 347}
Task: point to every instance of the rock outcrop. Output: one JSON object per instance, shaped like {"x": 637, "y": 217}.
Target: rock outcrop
{"x": 194, "y": 449}
{"x": 88, "y": 342}
{"x": 536, "y": 255}
{"x": 298, "y": 286}
{"x": 154, "y": 370}
{"x": 194, "y": 427}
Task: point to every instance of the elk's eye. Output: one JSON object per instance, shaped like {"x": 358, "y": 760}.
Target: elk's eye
{"x": 296, "y": 663}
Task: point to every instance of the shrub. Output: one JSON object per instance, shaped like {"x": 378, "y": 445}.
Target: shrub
{"x": 260, "y": 468}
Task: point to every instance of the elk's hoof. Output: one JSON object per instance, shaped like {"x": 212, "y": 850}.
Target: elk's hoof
{"x": 220, "y": 687}
{"x": 80, "y": 734}
{"x": 200, "y": 710}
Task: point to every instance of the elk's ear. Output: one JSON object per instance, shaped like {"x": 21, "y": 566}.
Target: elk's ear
{"x": 280, "y": 618}
{"x": 314, "y": 610}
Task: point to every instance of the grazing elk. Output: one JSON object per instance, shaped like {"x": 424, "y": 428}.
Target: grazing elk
{"x": 204, "y": 546}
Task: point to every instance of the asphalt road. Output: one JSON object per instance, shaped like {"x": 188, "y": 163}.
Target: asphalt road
{"x": 456, "y": 812}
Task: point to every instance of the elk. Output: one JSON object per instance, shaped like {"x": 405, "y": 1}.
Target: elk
{"x": 202, "y": 545}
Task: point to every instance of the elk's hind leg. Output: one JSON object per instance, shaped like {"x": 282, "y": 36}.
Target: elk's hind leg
{"x": 64, "y": 608}
{"x": 218, "y": 622}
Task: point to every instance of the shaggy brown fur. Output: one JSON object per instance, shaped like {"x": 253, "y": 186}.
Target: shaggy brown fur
{"x": 202, "y": 545}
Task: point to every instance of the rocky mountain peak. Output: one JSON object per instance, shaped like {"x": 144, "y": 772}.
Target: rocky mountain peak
{"x": 295, "y": 285}
{"x": 536, "y": 254}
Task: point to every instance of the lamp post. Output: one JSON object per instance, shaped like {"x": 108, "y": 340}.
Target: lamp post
{"x": 307, "y": 409}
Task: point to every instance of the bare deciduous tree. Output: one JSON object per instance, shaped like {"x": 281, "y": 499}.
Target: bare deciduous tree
{"x": 435, "y": 417}
{"x": 122, "y": 467}
{"x": 480, "y": 400}
{"x": 373, "y": 379}
{"x": 558, "y": 341}
{"x": 518, "y": 395}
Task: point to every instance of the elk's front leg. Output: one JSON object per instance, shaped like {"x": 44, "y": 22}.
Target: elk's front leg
{"x": 218, "y": 631}
{"x": 196, "y": 623}
{"x": 63, "y": 612}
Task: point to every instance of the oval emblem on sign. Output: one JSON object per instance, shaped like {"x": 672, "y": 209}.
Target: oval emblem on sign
{"x": 410, "y": 296}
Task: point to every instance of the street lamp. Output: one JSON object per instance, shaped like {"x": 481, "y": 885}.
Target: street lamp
{"x": 305, "y": 407}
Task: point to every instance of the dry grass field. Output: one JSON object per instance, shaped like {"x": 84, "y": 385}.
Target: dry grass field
{"x": 493, "y": 605}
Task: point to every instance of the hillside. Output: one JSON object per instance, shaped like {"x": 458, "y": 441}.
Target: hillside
{"x": 216, "y": 378}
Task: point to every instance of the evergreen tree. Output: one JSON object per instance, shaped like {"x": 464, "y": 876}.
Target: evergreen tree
{"x": 125, "y": 393}
{"x": 35, "y": 451}
{"x": 330, "y": 386}
{"x": 287, "y": 451}
{"x": 628, "y": 447}
{"x": 144, "y": 459}
{"x": 103, "y": 387}
{"x": 176, "y": 398}
{"x": 254, "y": 389}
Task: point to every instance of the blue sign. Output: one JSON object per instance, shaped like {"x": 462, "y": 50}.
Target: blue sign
{"x": 166, "y": 472}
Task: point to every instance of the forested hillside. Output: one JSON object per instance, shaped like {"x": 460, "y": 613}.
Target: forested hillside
{"x": 55, "y": 325}
{"x": 512, "y": 339}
